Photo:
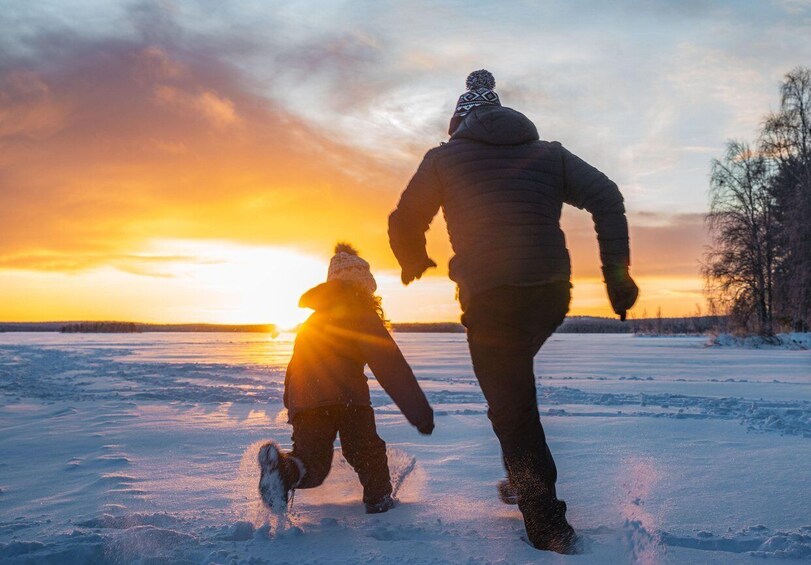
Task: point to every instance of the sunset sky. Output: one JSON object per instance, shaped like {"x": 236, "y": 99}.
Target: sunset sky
{"x": 196, "y": 161}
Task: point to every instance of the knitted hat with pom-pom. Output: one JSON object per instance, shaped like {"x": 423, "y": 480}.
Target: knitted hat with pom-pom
{"x": 346, "y": 265}
{"x": 480, "y": 91}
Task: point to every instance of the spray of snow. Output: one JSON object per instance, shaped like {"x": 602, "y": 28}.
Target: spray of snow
{"x": 249, "y": 504}
{"x": 341, "y": 487}
{"x": 640, "y": 527}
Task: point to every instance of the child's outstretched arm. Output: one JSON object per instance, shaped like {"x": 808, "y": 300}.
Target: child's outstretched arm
{"x": 394, "y": 374}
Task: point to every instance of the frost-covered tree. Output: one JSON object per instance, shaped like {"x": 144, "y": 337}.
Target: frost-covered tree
{"x": 739, "y": 266}
{"x": 786, "y": 144}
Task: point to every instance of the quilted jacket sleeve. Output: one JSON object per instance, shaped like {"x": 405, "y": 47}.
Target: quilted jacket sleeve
{"x": 418, "y": 205}
{"x": 393, "y": 372}
{"x": 588, "y": 188}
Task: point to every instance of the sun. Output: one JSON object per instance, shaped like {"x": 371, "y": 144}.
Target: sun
{"x": 246, "y": 284}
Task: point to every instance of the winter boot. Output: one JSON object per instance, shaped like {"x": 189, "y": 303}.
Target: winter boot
{"x": 383, "y": 505}
{"x": 280, "y": 473}
{"x": 548, "y": 529}
{"x": 506, "y": 492}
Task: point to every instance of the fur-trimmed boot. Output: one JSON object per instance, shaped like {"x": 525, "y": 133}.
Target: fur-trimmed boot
{"x": 280, "y": 473}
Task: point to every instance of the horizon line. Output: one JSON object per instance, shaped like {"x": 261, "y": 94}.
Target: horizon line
{"x": 457, "y": 321}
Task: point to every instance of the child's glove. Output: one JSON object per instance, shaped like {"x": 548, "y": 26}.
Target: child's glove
{"x": 622, "y": 290}
{"x": 411, "y": 273}
{"x": 426, "y": 429}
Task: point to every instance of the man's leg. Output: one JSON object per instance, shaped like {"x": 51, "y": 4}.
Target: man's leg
{"x": 508, "y": 384}
{"x": 506, "y": 328}
{"x": 365, "y": 451}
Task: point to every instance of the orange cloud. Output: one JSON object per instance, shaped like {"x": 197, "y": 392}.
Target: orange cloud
{"x": 27, "y": 109}
{"x": 120, "y": 143}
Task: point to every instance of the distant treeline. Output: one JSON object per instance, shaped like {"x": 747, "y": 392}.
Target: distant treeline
{"x": 131, "y": 327}
{"x": 439, "y": 327}
{"x": 210, "y": 328}
{"x": 101, "y": 328}
{"x": 593, "y": 325}
{"x": 596, "y": 325}
{"x": 686, "y": 325}
{"x": 32, "y": 326}
{"x": 643, "y": 326}
{"x": 572, "y": 325}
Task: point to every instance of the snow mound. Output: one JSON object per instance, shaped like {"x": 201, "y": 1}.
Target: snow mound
{"x": 241, "y": 531}
{"x": 757, "y": 541}
{"x": 791, "y": 545}
{"x": 789, "y": 341}
{"x": 16, "y": 548}
{"x": 108, "y": 521}
{"x": 147, "y": 540}
{"x": 140, "y": 544}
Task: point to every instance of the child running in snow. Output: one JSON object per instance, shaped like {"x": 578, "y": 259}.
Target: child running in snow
{"x": 326, "y": 393}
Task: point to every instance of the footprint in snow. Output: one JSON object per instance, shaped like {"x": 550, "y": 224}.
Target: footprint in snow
{"x": 73, "y": 464}
{"x": 385, "y": 532}
{"x": 112, "y": 460}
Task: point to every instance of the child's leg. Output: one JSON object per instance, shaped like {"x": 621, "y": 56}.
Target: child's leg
{"x": 365, "y": 451}
{"x": 314, "y": 434}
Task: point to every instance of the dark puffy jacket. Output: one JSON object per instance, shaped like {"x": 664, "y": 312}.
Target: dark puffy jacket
{"x": 332, "y": 348}
{"x": 501, "y": 190}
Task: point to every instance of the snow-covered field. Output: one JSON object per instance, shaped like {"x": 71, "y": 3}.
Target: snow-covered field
{"x": 141, "y": 448}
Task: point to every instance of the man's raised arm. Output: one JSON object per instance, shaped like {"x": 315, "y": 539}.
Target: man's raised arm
{"x": 587, "y": 187}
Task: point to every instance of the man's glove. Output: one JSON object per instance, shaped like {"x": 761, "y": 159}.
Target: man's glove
{"x": 426, "y": 429}
{"x": 622, "y": 290}
{"x": 415, "y": 272}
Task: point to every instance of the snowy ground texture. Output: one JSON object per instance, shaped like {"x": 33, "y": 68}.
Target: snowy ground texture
{"x": 141, "y": 449}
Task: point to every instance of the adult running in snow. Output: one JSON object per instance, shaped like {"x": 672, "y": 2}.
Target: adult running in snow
{"x": 501, "y": 190}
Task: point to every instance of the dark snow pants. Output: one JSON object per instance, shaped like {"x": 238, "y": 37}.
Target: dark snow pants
{"x": 314, "y": 433}
{"x": 506, "y": 326}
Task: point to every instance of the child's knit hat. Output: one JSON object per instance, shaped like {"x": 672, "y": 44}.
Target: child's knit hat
{"x": 345, "y": 265}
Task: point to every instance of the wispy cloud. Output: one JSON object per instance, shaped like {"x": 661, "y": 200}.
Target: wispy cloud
{"x": 108, "y": 142}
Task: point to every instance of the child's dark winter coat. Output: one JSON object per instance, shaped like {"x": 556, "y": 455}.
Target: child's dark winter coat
{"x": 343, "y": 335}
{"x": 326, "y": 394}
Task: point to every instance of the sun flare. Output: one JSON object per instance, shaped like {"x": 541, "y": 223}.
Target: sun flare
{"x": 250, "y": 284}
